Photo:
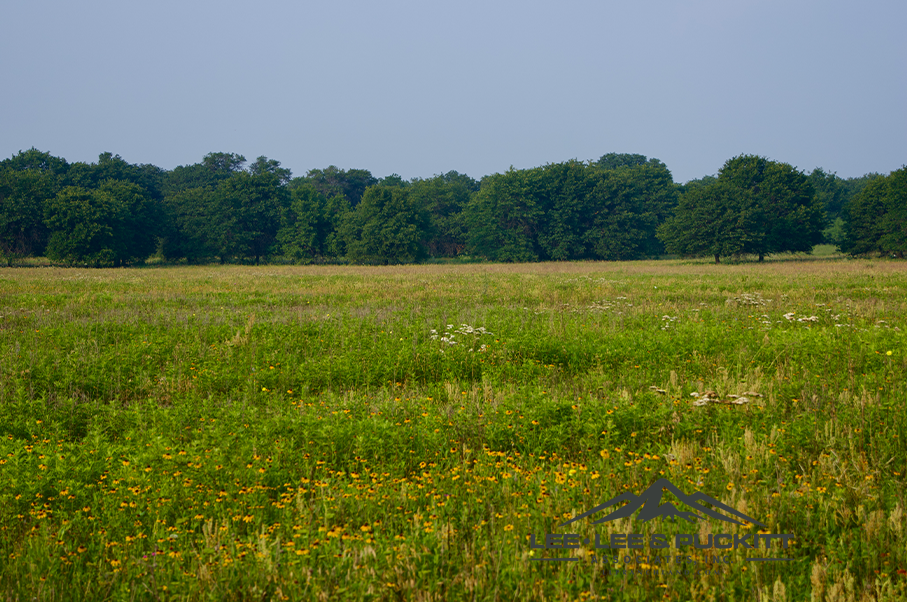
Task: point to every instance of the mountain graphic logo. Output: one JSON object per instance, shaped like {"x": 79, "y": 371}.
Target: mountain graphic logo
{"x": 650, "y": 502}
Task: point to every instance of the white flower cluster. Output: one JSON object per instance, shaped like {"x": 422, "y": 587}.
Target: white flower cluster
{"x": 609, "y": 305}
{"x": 667, "y": 321}
{"x": 790, "y": 317}
{"x": 448, "y": 337}
{"x": 749, "y": 299}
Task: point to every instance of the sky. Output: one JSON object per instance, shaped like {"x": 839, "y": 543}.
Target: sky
{"x": 420, "y": 88}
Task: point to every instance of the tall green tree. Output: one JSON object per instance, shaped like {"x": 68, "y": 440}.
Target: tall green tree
{"x": 831, "y": 191}
{"x": 211, "y": 171}
{"x": 445, "y": 197}
{"x": 81, "y": 225}
{"x": 627, "y": 206}
{"x": 393, "y": 180}
{"x": 309, "y": 225}
{"x": 717, "y": 220}
{"x": 504, "y": 218}
{"x": 333, "y": 181}
{"x": 386, "y": 227}
{"x": 224, "y": 162}
{"x": 114, "y": 224}
{"x": 877, "y": 217}
{"x": 572, "y": 210}
{"x": 247, "y": 214}
{"x": 113, "y": 167}
{"x": 34, "y": 160}
{"x": 27, "y": 181}
{"x": 794, "y": 217}
{"x": 138, "y": 225}
{"x": 263, "y": 165}
{"x": 23, "y": 195}
{"x": 190, "y": 224}
{"x": 564, "y": 194}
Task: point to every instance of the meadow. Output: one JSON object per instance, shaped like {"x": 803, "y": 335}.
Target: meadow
{"x": 400, "y": 433}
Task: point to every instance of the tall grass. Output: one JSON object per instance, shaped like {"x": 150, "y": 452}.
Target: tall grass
{"x": 297, "y": 433}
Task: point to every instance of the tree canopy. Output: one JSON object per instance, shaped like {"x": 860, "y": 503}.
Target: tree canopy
{"x": 618, "y": 207}
{"x": 877, "y": 217}
{"x": 758, "y": 207}
{"x": 572, "y": 210}
{"x": 387, "y": 226}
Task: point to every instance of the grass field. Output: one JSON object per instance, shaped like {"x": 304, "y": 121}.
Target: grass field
{"x": 328, "y": 433}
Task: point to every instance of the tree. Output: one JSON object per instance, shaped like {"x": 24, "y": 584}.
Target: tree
{"x": 27, "y": 181}
{"x": 855, "y": 185}
{"x": 190, "y": 224}
{"x": 393, "y": 180}
{"x": 616, "y": 160}
{"x": 333, "y": 181}
{"x": 572, "y": 210}
{"x": 445, "y": 197}
{"x": 628, "y": 204}
{"x": 563, "y": 191}
{"x": 113, "y": 167}
{"x": 877, "y": 217}
{"x": 81, "y": 227}
{"x": 894, "y": 221}
{"x": 310, "y": 223}
{"x": 227, "y": 163}
{"x": 504, "y": 218}
{"x": 34, "y": 160}
{"x": 247, "y": 213}
{"x": 386, "y": 227}
{"x": 703, "y": 181}
{"x": 22, "y": 198}
{"x": 794, "y": 219}
{"x": 263, "y": 165}
{"x": 336, "y": 212}
{"x": 114, "y": 224}
{"x": 718, "y": 219}
{"x": 213, "y": 169}
{"x": 831, "y": 191}
{"x": 136, "y": 227}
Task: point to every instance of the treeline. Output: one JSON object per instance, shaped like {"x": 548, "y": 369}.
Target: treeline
{"x": 114, "y": 213}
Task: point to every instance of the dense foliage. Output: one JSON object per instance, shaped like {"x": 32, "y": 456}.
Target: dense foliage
{"x": 622, "y": 206}
{"x": 755, "y": 206}
{"x": 877, "y": 217}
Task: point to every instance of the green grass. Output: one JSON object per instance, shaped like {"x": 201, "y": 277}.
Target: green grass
{"x": 234, "y": 433}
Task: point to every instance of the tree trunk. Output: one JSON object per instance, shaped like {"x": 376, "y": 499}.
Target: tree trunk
{"x": 716, "y": 258}
{"x": 761, "y": 257}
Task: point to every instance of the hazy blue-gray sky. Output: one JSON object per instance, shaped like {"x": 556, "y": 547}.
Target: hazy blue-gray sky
{"x": 420, "y": 88}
